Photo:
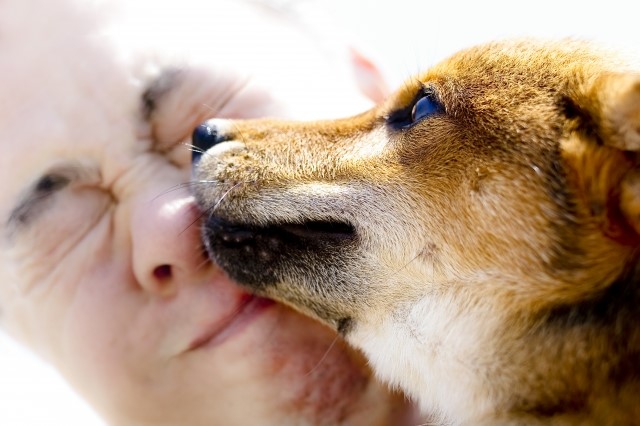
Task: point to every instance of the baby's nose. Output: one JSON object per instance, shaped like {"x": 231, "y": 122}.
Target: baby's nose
{"x": 204, "y": 137}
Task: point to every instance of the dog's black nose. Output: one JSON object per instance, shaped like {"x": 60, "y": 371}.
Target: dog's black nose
{"x": 203, "y": 138}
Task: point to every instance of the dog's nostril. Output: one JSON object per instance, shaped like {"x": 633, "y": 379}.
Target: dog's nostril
{"x": 204, "y": 137}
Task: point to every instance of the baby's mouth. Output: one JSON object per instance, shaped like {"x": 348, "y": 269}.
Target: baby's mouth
{"x": 248, "y": 309}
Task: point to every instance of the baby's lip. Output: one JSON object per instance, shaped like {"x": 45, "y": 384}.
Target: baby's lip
{"x": 247, "y": 309}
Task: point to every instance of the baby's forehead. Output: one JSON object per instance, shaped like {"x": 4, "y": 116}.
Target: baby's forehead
{"x": 52, "y": 120}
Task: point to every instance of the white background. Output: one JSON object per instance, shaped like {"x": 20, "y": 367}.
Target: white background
{"x": 404, "y": 36}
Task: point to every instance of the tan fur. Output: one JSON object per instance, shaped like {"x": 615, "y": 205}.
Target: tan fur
{"x": 485, "y": 258}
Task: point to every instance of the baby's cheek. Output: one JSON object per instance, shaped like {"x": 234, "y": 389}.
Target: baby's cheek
{"x": 47, "y": 270}
{"x": 97, "y": 354}
{"x": 65, "y": 238}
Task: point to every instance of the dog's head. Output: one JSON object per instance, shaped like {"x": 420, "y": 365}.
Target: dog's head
{"x": 505, "y": 177}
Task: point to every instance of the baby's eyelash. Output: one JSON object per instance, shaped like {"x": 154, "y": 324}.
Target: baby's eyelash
{"x": 32, "y": 203}
{"x": 51, "y": 183}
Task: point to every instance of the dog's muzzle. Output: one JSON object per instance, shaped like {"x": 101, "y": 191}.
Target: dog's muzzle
{"x": 257, "y": 255}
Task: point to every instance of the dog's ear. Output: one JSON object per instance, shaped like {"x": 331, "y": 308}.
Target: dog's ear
{"x": 368, "y": 76}
{"x": 604, "y": 150}
{"x": 613, "y": 102}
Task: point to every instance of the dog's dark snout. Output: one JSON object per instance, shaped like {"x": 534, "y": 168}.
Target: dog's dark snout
{"x": 235, "y": 236}
{"x": 204, "y": 137}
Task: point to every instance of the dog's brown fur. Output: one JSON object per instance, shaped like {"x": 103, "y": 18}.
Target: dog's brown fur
{"x": 485, "y": 258}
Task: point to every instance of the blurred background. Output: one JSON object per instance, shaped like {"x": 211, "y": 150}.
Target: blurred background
{"x": 408, "y": 35}
{"x": 402, "y": 37}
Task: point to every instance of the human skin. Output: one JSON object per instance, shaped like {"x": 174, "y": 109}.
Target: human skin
{"x": 102, "y": 271}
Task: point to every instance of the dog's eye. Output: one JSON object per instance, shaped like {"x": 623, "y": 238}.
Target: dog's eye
{"x": 425, "y": 106}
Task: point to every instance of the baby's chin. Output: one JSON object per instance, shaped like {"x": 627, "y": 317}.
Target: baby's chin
{"x": 320, "y": 372}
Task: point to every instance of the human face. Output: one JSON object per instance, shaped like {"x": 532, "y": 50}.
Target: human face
{"x": 102, "y": 270}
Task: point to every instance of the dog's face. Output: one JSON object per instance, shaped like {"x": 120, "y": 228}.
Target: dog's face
{"x": 498, "y": 184}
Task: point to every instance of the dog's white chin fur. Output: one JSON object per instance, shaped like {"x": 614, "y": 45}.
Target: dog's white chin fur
{"x": 430, "y": 360}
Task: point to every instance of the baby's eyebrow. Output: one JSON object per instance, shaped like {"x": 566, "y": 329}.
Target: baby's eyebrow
{"x": 157, "y": 88}
{"x": 34, "y": 199}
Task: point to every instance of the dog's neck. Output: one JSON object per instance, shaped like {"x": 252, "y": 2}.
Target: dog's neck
{"x": 458, "y": 362}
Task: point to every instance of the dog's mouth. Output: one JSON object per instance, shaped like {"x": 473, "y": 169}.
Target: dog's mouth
{"x": 233, "y": 234}
{"x": 259, "y": 255}
{"x": 315, "y": 230}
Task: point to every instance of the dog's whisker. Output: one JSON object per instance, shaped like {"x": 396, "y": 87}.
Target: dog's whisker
{"x": 227, "y": 97}
{"x": 172, "y": 189}
{"x": 221, "y": 199}
{"x": 203, "y": 264}
{"x": 198, "y": 182}
{"x": 237, "y": 129}
{"x": 182, "y": 186}
{"x": 200, "y": 216}
{"x": 276, "y": 326}
{"x": 209, "y": 107}
{"x": 333, "y": 343}
{"x": 403, "y": 267}
{"x": 191, "y": 147}
{"x": 212, "y": 209}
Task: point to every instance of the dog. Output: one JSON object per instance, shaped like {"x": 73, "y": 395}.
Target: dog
{"x": 476, "y": 235}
